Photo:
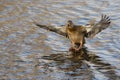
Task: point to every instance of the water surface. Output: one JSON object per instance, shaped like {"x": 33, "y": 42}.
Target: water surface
{"x": 30, "y": 53}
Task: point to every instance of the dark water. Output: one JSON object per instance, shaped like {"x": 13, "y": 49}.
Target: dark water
{"x": 30, "y": 53}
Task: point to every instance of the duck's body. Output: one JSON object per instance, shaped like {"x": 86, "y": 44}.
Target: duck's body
{"x": 77, "y": 33}
{"x": 77, "y": 36}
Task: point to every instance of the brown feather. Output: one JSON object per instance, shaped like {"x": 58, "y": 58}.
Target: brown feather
{"x": 77, "y": 33}
{"x": 98, "y": 27}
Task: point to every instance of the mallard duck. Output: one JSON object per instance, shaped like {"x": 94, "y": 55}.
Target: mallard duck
{"x": 77, "y": 33}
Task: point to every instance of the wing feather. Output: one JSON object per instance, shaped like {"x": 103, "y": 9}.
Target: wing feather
{"x": 98, "y": 27}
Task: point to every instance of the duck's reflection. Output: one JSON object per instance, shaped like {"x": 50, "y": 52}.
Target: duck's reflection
{"x": 74, "y": 64}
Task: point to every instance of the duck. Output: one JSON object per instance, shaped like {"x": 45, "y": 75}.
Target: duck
{"x": 78, "y": 33}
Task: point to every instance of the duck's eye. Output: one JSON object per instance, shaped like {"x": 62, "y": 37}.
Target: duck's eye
{"x": 68, "y": 24}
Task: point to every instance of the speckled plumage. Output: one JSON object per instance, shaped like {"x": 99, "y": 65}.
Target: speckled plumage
{"x": 77, "y": 33}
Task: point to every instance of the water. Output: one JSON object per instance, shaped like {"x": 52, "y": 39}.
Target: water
{"x": 30, "y": 53}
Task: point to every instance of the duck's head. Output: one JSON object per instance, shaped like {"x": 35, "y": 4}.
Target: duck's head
{"x": 69, "y": 24}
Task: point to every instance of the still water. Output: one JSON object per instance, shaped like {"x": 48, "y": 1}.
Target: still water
{"x": 30, "y": 53}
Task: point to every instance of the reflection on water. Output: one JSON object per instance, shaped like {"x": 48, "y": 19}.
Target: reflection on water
{"x": 81, "y": 66}
{"x": 30, "y": 53}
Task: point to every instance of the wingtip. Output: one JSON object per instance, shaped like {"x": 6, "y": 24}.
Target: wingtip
{"x": 105, "y": 18}
{"x": 101, "y": 25}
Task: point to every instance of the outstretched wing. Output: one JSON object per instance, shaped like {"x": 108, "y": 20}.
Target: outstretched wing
{"x": 92, "y": 30}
